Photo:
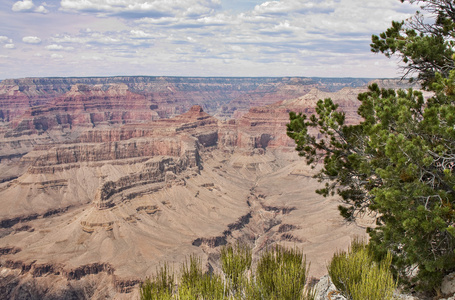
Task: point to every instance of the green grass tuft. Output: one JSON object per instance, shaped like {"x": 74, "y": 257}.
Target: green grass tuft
{"x": 281, "y": 274}
{"x": 358, "y": 277}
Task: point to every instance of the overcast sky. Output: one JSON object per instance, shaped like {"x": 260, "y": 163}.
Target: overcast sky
{"x": 327, "y": 38}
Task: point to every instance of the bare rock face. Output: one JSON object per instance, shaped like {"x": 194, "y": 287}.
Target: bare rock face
{"x": 325, "y": 289}
{"x": 448, "y": 285}
{"x": 266, "y": 126}
{"x": 93, "y": 210}
{"x": 86, "y": 106}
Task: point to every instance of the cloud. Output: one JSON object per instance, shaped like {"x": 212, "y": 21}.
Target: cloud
{"x": 56, "y": 56}
{"x": 28, "y": 6}
{"x": 139, "y": 34}
{"x": 9, "y": 46}
{"x": 31, "y": 40}
{"x": 25, "y": 5}
{"x": 142, "y": 8}
{"x": 294, "y": 6}
{"x": 109, "y": 39}
{"x": 237, "y": 48}
{"x": 55, "y": 47}
{"x": 92, "y": 58}
{"x": 284, "y": 28}
{"x": 41, "y": 9}
{"x": 354, "y": 17}
{"x": 5, "y": 39}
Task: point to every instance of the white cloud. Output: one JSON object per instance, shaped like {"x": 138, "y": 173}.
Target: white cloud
{"x": 294, "y": 6}
{"x": 31, "y": 40}
{"x": 5, "y": 39}
{"x": 56, "y": 56}
{"x": 236, "y": 48}
{"x": 139, "y": 34}
{"x": 25, "y": 5}
{"x": 353, "y": 17}
{"x": 92, "y": 57}
{"x": 55, "y": 47}
{"x": 9, "y": 46}
{"x": 93, "y": 39}
{"x": 41, "y": 9}
{"x": 29, "y": 6}
{"x": 106, "y": 40}
{"x": 69, "y": 39}
{"x": 142, "y": 8}
{"x": 218, "y": 19}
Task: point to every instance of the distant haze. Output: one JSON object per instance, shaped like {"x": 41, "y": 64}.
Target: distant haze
{"x": 326, "y": 38}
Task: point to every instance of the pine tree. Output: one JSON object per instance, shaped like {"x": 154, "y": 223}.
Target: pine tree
{"x": 399, "y": 162}
{"x": 425, "y": 48}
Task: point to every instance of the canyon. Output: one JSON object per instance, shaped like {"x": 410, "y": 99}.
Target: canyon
{"x": 102, "y": 180}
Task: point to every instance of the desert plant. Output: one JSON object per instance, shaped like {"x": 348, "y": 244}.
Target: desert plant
{"x": 358, "y": 277}
{"x": 158, "y": 287}
{"x": 235, "y": 261}
{"x": 251, "y": 291}
{"x": 376, "y": 283}
{"x": 281, "y": 274}
{"x": 195, "y": 284}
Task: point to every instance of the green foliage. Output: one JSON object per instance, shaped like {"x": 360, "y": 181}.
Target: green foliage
{"x": 194, "y": 284}
{"x": 284, "y": 269}
{"x": 281, "y": 274}
{"x": 358, "y": 277}
{"x": 158, "y": 287}
{"x": 346, "y": 268}
{"x": 235, "y": 261}
{"x": 399, "y": 163}
{"x": 425, "y": 48}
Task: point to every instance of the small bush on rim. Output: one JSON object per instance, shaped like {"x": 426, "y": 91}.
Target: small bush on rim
{"x": 358, "y": 277}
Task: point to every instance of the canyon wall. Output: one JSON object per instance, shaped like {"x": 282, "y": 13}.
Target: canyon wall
{"x": 167, "y": 96}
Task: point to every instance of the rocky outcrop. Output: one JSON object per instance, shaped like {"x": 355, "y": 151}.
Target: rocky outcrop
{"x": 217, "y": 241}
{"x": 77, "y": 153}
{"x": 265, "y": 127}
{"x": 326, "y": 290}
{"x": 9, "y": 250}
{"x": 156, "y": 171}
{"x": 448, "y": 285}
{"x": 85, "y": 106}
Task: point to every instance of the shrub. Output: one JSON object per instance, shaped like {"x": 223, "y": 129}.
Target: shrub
{"x": 358, "y": 277}
{"x": 194, "y": 284}
{"x": 281, "y": 274}
{"x": 235, "y": 261}
{"x": 158, "y": 287}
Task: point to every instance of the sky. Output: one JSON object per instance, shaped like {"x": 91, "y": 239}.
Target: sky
{"x": 311, "y": 38}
